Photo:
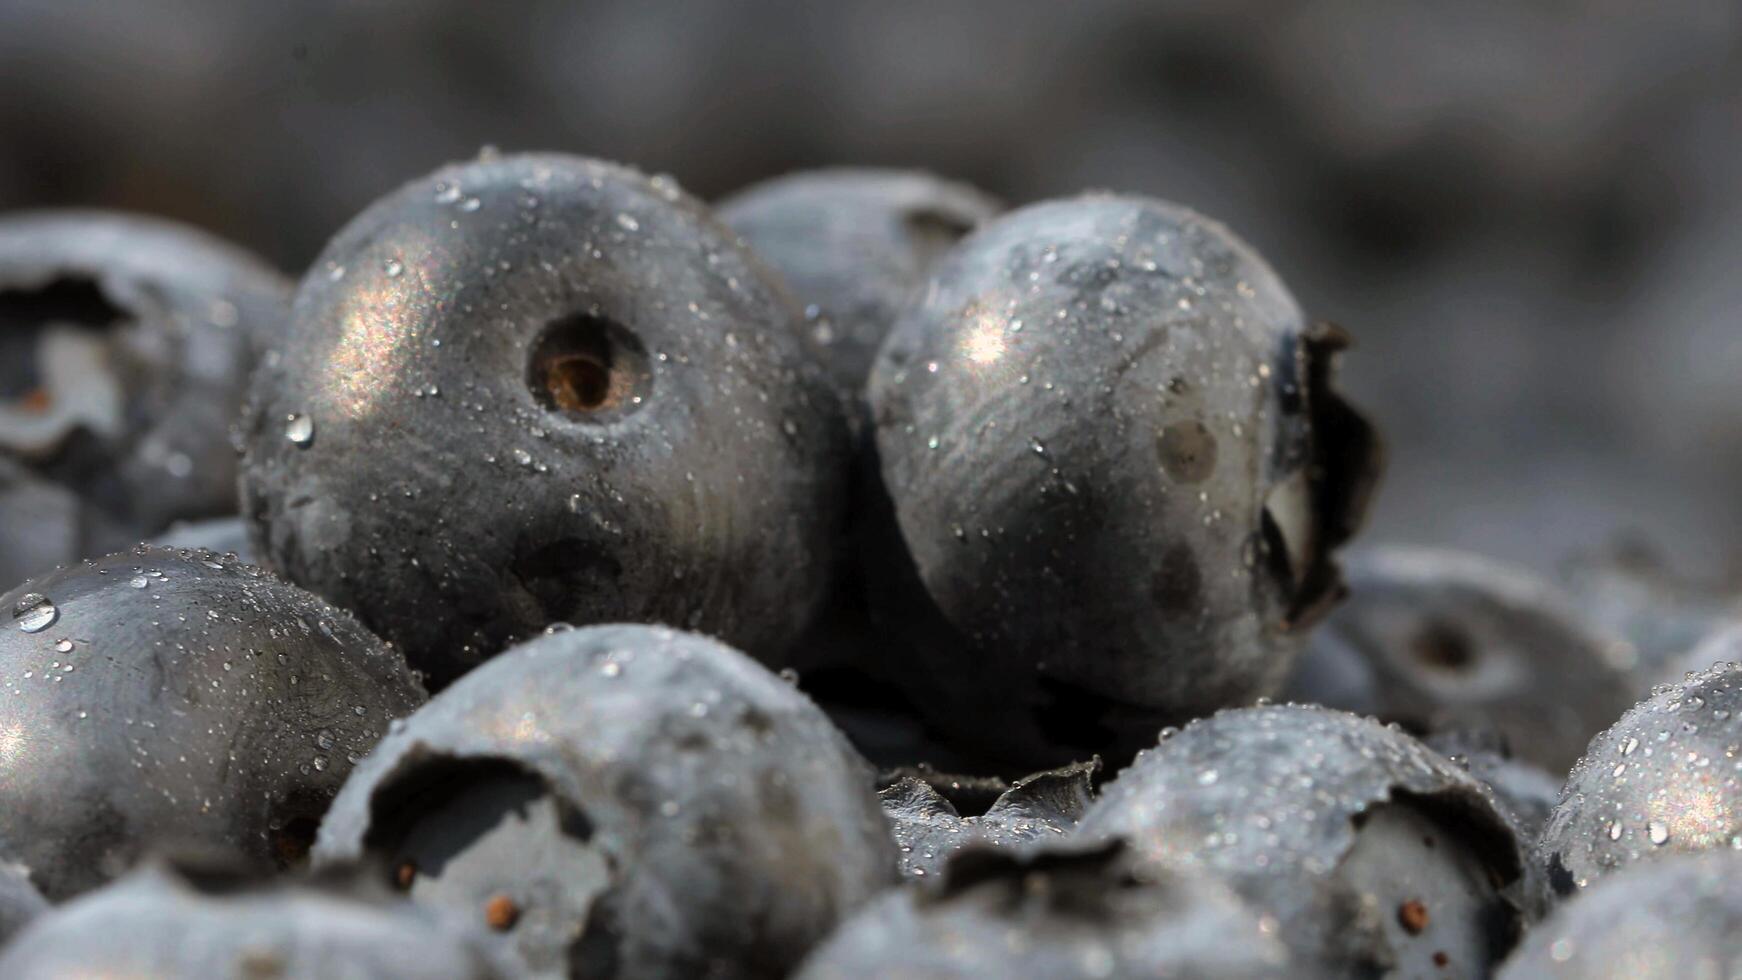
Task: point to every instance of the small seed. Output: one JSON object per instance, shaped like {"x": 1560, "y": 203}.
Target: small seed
{"x": 1412, "y": 916}
{"x": 500, "y": 913}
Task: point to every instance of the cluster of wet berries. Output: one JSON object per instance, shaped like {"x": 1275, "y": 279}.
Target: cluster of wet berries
{"x": 854, "y": 579}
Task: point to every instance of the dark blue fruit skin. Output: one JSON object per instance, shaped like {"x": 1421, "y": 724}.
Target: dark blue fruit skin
{"x": 20, "y": 902}
{"x": 1662, "y": 780}
{"x": 1437, "y": 639}
{"x": 853, "y": 244}
{"x": 1116, "y": 473}
{"x": 163, "y": 921}
{"x": 178, "y": 696}
{"x": 1279, "y": 801}
{"x": 737, "y": 826}
{"x": 437, "y": 491}
{"x": 1053, "y": 912}
{"x": 175, "y": 316}
{"x": 1670, "y": 919}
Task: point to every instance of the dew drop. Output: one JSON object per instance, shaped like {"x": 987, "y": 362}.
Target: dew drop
{"x": 394, "y": 268}
{"x": 627, "y": 222}
{"x": 35, "y": 613}
{"x": 1658, "y": 832}
{"x": 299, "y": 429}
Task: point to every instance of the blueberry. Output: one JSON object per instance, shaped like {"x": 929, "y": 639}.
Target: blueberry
{"x": 537, "y": 389}
{"x": 1661, "y": 780}
{"x": 1527, "y": 792}
{"x": 20, "y": 902}
{"x": 623, "y": 801}
{"x": 44, "y": 523}
{"x": 1374, "y": 854}
{"x": 1667, "y": 920}
{"x": 1053, "y": 912}
{"x": 1722, "y": 645}
{"x": 1435, "y": 639}
{"x": 125, "y": 345}
{"x": 174, "y": 920}
{"x": 159, "y": 695}
{"x": 1631, "y": 591}
{"x": 224, "y": 535}
{"x": 1117, "y": 472}
{"x": 854, "y": 244}
{"x": 934, "y": 815}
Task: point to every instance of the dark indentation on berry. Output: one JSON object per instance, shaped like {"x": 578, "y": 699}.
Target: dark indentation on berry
{"x": 292, "y": 840}
{"x": 403, "y": 801}
{"x": 24, "y": 313}
{"x": 589, "y": 369}
{"x": 1441, "y": 959}
{"x": 934, "y": 232}
{"x": 1443, "y": 646}
{"x": 1412, "y": 916}
{"x": 563, "y": 575}
{"x": 1187, "y": 451}
{"x": 1559, "y": 878}
{"x": 1177, "y": 587}
{"x": 1073, "y": 716}
{"x": 501, "y": 913}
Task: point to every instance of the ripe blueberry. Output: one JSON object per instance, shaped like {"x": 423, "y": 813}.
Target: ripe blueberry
{"x": 623, "y": 800}
{"x": 1371, "y": 851}
{"x": 125, "y": 345}
{"x": 1117, "y": 472}
{"x": 537, "y": 389}
{"x": 854, "y": 244}
{"x": 1661, "y": 780}
{"x": 159, "y": 696}
{"x": 1435, "y": 639}
{"x": 1667, "y": 920}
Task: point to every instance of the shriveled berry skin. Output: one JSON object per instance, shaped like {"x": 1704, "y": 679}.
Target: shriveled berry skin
{"x": 164, "y": 921}
{"x": 1117, "y": 473}
{"x": 1435, "y": 639}
{"x": 1661, "y": 780}
{"x": 125, "y": 347}
{"x": 676, "y": 809}
{"x": 20, "y": 902}
{"x": 854, "y": 244}
{"x": 1376, "y": 855}
{"x": 159, "y": 696}
{"x": 537, "y": 389}
{"x": 933, "y": 815}
{"x": 1668, "y": 920}
{"x": 1053, "y": 912}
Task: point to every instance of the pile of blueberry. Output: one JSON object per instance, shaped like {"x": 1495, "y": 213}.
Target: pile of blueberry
{"x": 855, "y": 579}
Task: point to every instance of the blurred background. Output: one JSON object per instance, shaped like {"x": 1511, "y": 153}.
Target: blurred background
{"x": 1529, "y": 213}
